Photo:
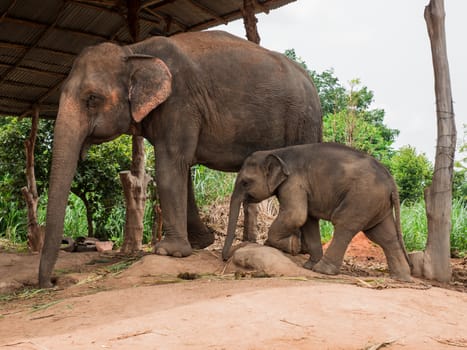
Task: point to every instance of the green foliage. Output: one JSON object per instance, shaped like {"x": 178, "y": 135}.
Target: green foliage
{"x": 210, "y": 184}
{"x": 412, "y": 172}
{"x": 97, "y": 181}
{"x": 414, "y": 225}
{"x": 13, "y": 225}
{"x": 459, "y": 187}
{"x": 347, "y": 114}
{"x": 13, "y": 133}
{"x": 354, "y": 124}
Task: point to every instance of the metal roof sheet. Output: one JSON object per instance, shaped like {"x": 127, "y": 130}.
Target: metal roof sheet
{"x": 40, "y": 39}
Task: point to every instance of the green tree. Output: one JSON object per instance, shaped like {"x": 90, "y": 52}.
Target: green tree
{"x": 97, "y": 182}
{"x": 13, "y": 133}
{"x": 412, "y": 172}
{"x": 347, "y": 114}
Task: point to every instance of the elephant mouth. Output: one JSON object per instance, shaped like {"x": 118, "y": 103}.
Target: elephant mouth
{"x": 251, "y": 199}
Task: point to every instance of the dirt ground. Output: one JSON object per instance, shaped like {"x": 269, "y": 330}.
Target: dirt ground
{"x": 110, "y": 301}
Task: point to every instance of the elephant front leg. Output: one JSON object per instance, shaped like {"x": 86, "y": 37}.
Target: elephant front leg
{"x": 172, "y": 187}
{"x": 311, "y": 242}
{"x": 250, "y": 212}
{"x": 283, "y": 233}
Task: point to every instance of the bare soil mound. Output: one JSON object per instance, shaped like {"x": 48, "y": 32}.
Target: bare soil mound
{"x": 111, "y": 301}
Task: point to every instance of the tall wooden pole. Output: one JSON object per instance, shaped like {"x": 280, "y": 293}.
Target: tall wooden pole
{"x": 438, "y": 197}
{"x": 134, "y": 182}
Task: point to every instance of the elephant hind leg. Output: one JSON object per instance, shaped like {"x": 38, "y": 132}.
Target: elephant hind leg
{"x": 385, "y": 235}
{"x": 331, "y": 262}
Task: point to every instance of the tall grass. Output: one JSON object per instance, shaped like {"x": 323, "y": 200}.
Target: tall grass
{"x": 414, "y": 225}
{"x": 210, "y": 185}
{"x": 13, "y": 222}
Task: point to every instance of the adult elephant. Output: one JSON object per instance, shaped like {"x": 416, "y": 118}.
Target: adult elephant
{"x": 200, "y": 98}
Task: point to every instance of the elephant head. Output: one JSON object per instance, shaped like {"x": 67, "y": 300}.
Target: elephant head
{"x": 107, "y": 90}
{"x": 258, "y": 179}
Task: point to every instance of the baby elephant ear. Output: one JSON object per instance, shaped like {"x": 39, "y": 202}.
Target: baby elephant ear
{"x": 277, "y": 171}
{"x": 150, "y": 85}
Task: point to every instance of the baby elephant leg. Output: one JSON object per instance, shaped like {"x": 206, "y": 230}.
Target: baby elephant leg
{"x": 283, "y": 233}
{"x": 311, "y": 242}
{"x": 385, "y": 235}
{"x": 250, "y": 212}
{"x": 331, "y": 262}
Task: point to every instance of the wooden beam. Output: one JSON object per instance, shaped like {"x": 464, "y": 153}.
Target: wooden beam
{"x": 250, "y": 20}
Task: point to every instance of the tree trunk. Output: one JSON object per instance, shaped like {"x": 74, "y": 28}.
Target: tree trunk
{"x": 135, "y": 183}
{"x": 438, "y": 197}
{"x": 35, "y": 233}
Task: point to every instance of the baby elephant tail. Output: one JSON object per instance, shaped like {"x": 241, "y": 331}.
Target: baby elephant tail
{"x": 397, "y": 215}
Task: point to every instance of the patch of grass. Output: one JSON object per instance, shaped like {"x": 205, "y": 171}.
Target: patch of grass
{"x": 459, "y": 227}
{"x": 211, "y": 185}
{"x": 40, "y": 307}
{"x": 414, "y": 225}
{"x": 120, "y": 266}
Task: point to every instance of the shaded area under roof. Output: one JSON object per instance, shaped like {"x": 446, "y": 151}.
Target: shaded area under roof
{"x": 39, "y": 40}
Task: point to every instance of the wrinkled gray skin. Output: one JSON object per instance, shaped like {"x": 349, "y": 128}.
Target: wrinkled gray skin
{"x": 200, "y": 98}
{"x": 323, "y": 181}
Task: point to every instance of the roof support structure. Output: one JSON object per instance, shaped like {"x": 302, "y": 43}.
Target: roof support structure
{"x": 250, "y": 20}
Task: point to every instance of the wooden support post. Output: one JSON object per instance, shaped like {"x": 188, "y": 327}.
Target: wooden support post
{"x": 438, "y": 197}
{"x": 135, "y": 184}
{"x": 250, "y": 20}
{"x": 35, "y": 232}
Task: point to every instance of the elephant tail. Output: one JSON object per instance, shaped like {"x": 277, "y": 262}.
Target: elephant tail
{"x": 397, "y": 216}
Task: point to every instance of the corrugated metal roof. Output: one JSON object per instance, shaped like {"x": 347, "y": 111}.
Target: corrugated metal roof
{"x": 40, "y": 39}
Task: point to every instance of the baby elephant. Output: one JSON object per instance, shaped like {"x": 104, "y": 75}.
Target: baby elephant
{"x": 323, "y": 181}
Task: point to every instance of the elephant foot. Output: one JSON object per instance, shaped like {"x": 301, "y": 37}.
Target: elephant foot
{"x": 201, "y": 238}
{"x": 46, "y": 284}
{"x": 310, "y": 263}
{"x": 178, "y": 248}
{"x": 326, "y": 268}
{"x": 289, "y": 245}
{"x": 402, "y": 278}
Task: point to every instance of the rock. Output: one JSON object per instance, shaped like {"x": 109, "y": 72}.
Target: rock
{"x": 268, "y": 260}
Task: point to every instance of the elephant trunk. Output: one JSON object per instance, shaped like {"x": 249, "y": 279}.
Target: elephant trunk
{"x": 236, "y": 200}
{"x": 68, "y": 140}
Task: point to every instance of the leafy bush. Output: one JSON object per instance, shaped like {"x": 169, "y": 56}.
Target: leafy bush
{"x": 412, "y": 172}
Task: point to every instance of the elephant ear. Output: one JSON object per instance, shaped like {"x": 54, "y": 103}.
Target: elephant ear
{"x": 277, "y": 171}
{"x": 150, "y": 85}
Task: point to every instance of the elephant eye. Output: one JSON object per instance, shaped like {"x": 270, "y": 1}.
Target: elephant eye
{"x": 92, "y": 101}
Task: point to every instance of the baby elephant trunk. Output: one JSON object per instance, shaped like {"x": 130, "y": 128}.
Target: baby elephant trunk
{"x": 235, "y": 202}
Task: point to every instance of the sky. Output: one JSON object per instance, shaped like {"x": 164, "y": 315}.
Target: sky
{"x": 385, "y": 44}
